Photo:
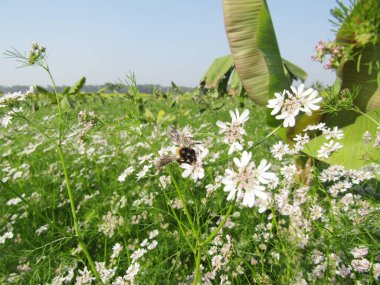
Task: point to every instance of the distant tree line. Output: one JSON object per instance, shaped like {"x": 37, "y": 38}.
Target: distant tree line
{"x": 106, "y": 88}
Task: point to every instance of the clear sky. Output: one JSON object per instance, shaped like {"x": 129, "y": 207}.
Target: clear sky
{"x": 160, "y": 41}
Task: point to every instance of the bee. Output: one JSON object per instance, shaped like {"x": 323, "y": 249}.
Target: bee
{"x": 185, "y": 152}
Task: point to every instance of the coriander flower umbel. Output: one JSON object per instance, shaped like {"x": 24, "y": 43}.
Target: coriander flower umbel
{"x": 246, "y": 183}
{"x": 290, "y": 104}
{"x": 234, "y": 131}
{"x": 307, "y": 98}
{"x": 10, "y": 98}
{"x": 328, "y": 148}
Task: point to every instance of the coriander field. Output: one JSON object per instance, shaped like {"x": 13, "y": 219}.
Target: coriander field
{"x": 252, "y": 177}
{"x": 130, "y": 216}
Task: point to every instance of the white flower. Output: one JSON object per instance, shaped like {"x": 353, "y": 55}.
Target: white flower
{"x": 335, "y": 133}
{"x": 289, "y": 111}
{"x": 9, "y": 98}
{"x": 276, "y": 103}
{"x": 299, "y": 92}
{"x": 307, "y": 98}
{"x": 110, "y": 224}
{"x": 328, "y": 148}
{"x": 6, "y": 120}
{"x": 125, "y": 173}
{"x": 316, "y": 212}
{"x": 279, "y": 150}
{"x": 84, "y": 277}
{"x": 7, "y": 235}
{"x": 246, "y": 182}
{"x": 153, "y": 234}
{"x": 361, "y": 265}
{"x": 320, "y": 127}
{"x": 143, "y": 172}
{"x": 195, "y": 171}
{"x": 367, "y": 137}
{"x": 132, "y": 270}
{"x": 42, "y": 229}
{"x": 138, "y": 254}
{"x": 376, "y": 270}
{"x": 359, "y": 252}
{"x": 234, "y": 131}
{"x": 238, "y": 119}
{"x": 290, "y": 104}
{"x": 235, "y": 146}
{"x": 116, "y": 250}
{"x": 300, "y": 141}
{"x": 105, "y": 274}
{"x": 152, "y": 245}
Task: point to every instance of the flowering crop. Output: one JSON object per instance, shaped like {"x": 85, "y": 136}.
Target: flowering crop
{"x": 237, "y": 214}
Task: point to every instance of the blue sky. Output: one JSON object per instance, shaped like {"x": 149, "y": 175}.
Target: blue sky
{"x": 160, "y": 41}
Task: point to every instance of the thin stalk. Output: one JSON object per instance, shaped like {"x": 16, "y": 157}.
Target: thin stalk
{"x": 222, "y": 223}
{"x": 356, "y": 109}
{"x": 46, "y": 68}
{"x": 179, "y": 222}
{"x": 274, "y": 221}
{"x": 266, "y": 137}
{"x": 67, "y": 180}
{"x": 74, "y": 216}
{"x": 197, "y": 276}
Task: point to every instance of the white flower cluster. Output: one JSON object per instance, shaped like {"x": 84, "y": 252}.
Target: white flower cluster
{"x": 128, "y": 171}
{"x": 110, "y": 223}
{"x": 10, "y": 98}
{"x": 147, "y": 245}
{"x": 280, "y": 149}
{"x": 247, "y": 181}
{"x": 234, "y": 131}
{"x": 345, "y": 179}
{"x": 290, "y": 104}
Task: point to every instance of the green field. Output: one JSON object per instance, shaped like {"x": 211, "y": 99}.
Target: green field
{"x": 304, "y": 234}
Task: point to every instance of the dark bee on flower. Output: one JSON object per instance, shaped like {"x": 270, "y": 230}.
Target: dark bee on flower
{"x": 185, "y": 152}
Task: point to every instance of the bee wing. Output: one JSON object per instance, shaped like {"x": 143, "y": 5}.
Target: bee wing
{"x": 174, "y": 135}
{"x": 164, "y": 160}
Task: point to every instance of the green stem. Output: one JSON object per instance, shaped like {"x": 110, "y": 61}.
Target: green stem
{"x": 67, "y": 179}
{"x": 274, "y": 221}
{"x": 178, "y": 222}
{"x": 74, "y": 216}
{"x": 197, "y": 276}
{"x": 266, "y": 137}
{"x": 46, "y": 68}
{"x": 356, "y": 109}
{"x": 222, "y": 223}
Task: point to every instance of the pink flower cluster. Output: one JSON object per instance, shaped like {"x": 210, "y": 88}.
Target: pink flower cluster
{"x": 338, "y": 54}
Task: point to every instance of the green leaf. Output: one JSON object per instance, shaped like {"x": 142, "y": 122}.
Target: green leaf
{"x": 293, "y": 71}
{"x": 77, "y": 86}
{"x": 66, "y": 90}
{"x": 354, "y": 153}
{"x": 67, "y": 103}
{"x": 175, "y": 88}
{"x": 41, "y": 90}
{"x": 217, "y": 73}
{"x": 254, "y": 48}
